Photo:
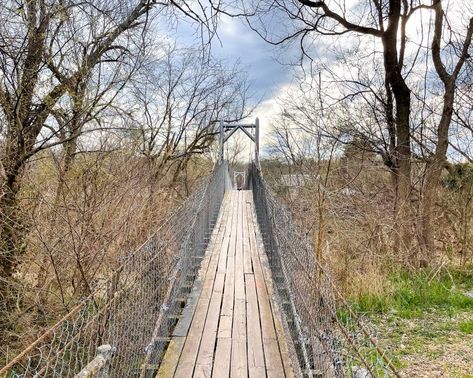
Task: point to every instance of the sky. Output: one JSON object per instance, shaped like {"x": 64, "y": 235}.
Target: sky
{"x": 260, "y": 59}
{"x": 269, "y": 78}
{"x": 267, "y": 75}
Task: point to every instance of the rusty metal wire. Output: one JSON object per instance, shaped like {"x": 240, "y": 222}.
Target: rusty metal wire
{"x": 137, "y": 308}
{"x": 328, "y": 338}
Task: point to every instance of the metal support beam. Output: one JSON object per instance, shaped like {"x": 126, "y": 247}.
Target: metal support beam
{"x": 242, "y": 125}
{"x": 256, "y": 140}
{"x": 221, "y": 141}
{"x": 233, "y": 128}
{"x": 248, "y": 134}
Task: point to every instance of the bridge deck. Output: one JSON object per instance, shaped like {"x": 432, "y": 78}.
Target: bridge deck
{"x": 231, "y": 326}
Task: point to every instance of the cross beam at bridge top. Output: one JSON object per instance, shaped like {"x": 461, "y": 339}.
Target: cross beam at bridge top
{"x": 250, "y": 129}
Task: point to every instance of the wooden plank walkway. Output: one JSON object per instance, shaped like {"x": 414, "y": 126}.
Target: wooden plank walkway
{"x": 231, "y": 326}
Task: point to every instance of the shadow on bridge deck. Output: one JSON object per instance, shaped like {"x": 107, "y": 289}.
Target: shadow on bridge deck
{"x": 231, "y": 326}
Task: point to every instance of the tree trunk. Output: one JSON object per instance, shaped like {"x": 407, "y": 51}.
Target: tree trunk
{"x": 403, "y": 215}
{"x": 401, "y": 93}
{"x": 433, "y": 175}
{"x": 11, "y": 234}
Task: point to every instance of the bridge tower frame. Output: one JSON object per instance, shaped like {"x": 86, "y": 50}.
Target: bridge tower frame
{"x": 233, "y": 128}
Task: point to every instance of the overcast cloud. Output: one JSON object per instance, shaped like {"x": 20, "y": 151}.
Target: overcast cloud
{"x": 261, "y": 60}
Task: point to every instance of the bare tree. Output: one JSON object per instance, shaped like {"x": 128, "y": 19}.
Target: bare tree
{"x": 384, "y": 25}
{"x": 448, "y": 73}
{"x": 177, "y": 102}
{"x": 61, "y": 64}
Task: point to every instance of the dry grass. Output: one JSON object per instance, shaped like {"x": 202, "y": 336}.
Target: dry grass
{"x": 75, "y": 237}
{"x": 431, "y": 345}
{"x": 421, "y": 315}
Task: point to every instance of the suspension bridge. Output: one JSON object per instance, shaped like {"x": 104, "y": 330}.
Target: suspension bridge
{"x": 228, "y": 286}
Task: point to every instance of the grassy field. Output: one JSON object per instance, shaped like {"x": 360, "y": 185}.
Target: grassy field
{"x": 426, "y": 320}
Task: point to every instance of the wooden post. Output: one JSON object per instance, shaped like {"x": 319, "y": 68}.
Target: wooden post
{"x": 100, "y": 365}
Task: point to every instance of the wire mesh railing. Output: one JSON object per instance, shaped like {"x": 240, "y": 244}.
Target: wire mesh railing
{"x": 135, "y": 311}
{"x": 328, "y": 338}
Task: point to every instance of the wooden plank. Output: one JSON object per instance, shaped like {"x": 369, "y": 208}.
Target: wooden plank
{"x": 282, "y": 340}
{"x": 239, "y": 279}
{"x": 183, "y": 325}
{"x": 174, "y": 350}
{"x": 190, "y": 351}
{"x": 225, "y": 326}
{"x": 267, "y": 324}
{"x": 226, "y": 313}
{"x": 207, "y": 345}
{"x": 256, "y": 363}
{"x": 257, "y": 372}
{"x": 221, "y": 368}
{"x": 280, "y": 332}
{"x": 224, "y": 341}
{"x": 229, "y": 289}
{"x": 272, "y": 355}
{"x": 209, "y": 336}
{"x": 171, "y": 358}
{"x": 239, "y": 366}
{"x": 223, "y": 349}
{"x": 266, "y": 273}
{"x": 247, "y": 268}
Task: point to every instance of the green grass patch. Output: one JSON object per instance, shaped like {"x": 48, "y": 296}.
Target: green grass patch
{"x": 466, "y": 327}
{"x": 416, "y": 314}
{"x": 411, "y": 294}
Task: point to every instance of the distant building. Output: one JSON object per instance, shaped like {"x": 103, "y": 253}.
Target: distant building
{"x": 297, "y": 180}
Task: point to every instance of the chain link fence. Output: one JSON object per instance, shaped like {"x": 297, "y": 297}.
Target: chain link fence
{"x": 328, "y": 339}
{"x": 136, "y": 309}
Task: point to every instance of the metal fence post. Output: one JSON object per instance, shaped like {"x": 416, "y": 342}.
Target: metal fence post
{"x": 257, "y": 140}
